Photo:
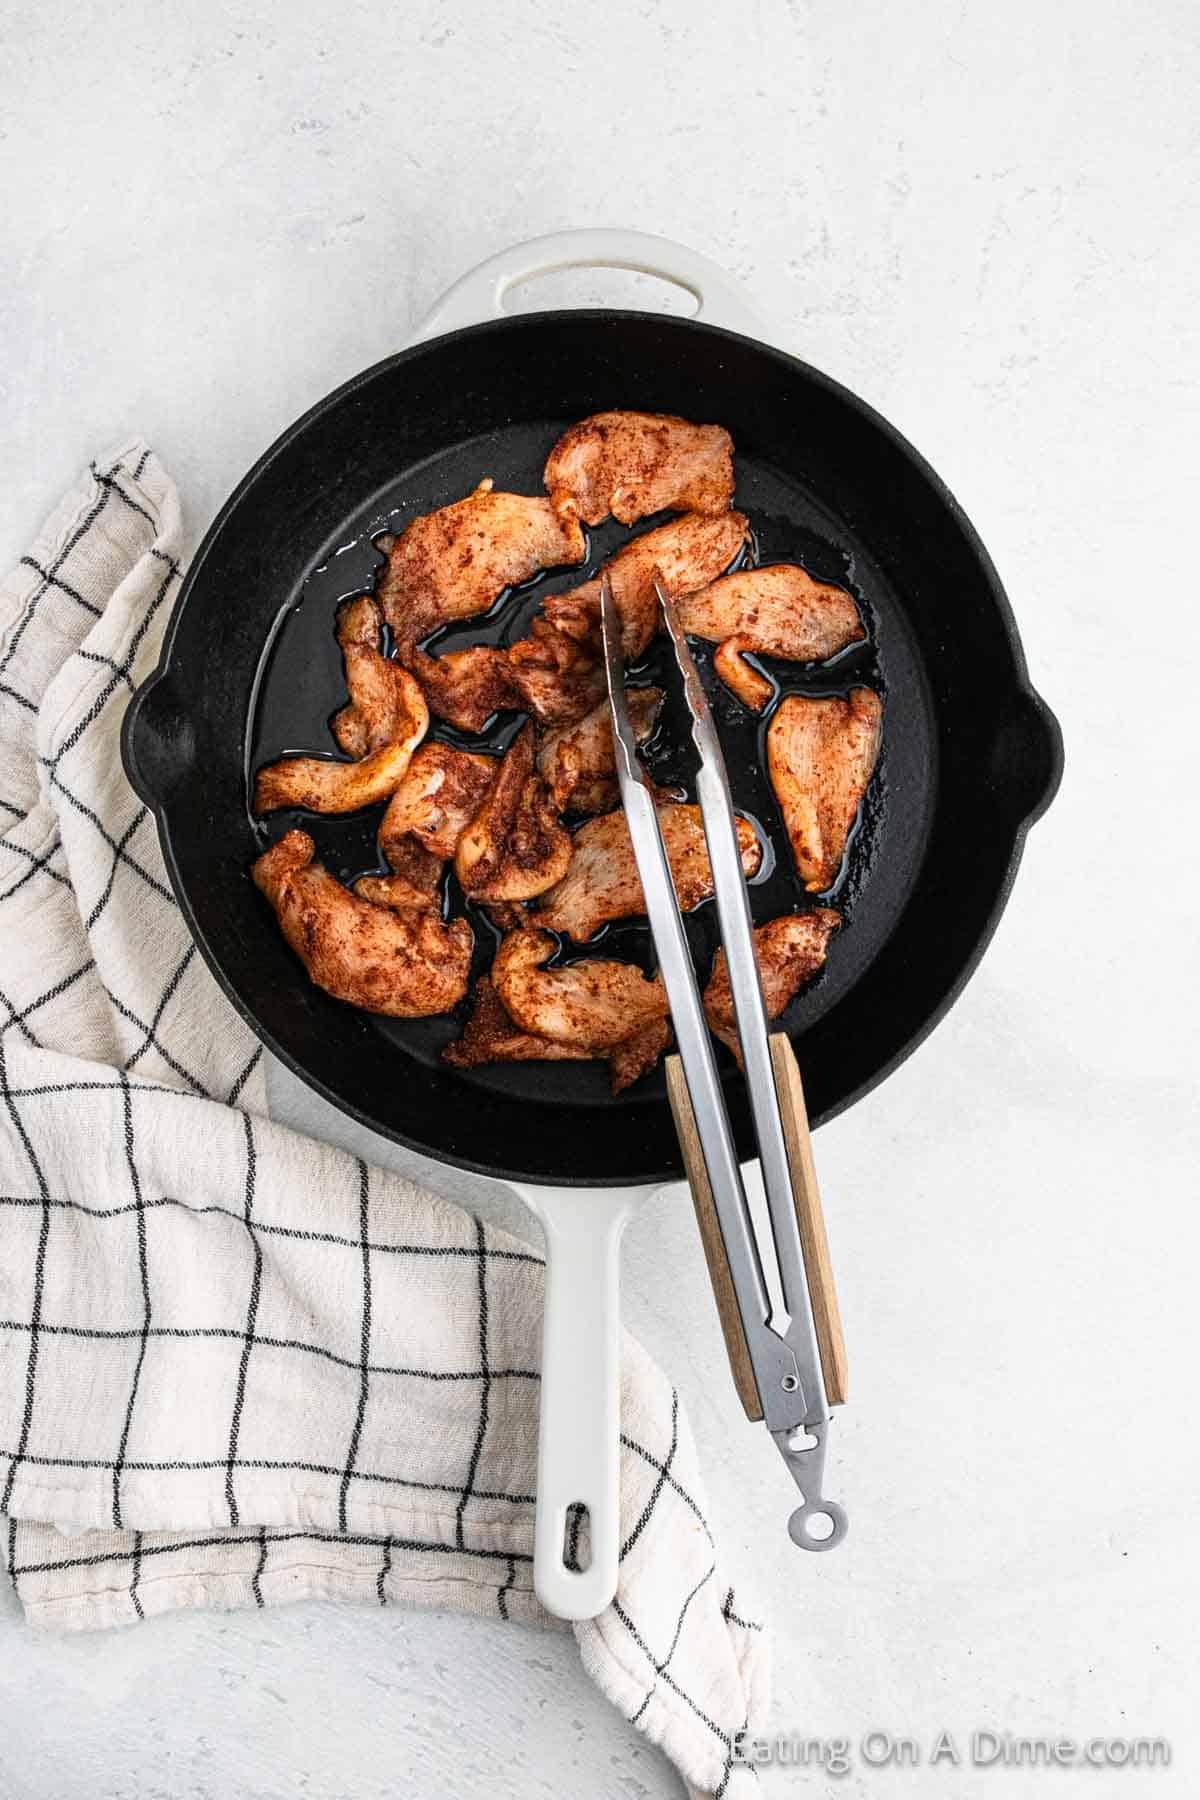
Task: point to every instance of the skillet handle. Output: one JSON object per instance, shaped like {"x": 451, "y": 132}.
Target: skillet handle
{"x": 478, "y": 296}
{"x": 580, "y": 1416}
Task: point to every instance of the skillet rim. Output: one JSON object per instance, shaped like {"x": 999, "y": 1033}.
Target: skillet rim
{"x": 1040, "y": 716}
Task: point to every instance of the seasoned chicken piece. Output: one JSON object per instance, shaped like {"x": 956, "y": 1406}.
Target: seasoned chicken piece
{"x": 406, "y": 964}
{"x": 507, "y": 915}
{"x": 457, "y": 561}
{"x": 635, "y": 1056}
{"x": 398, "y": 891}
{"x": 388, "y": 705}
{"x": 490, "y": 1036}
{"x": 438, "y": 797}
{"x": 558, "y": 679}
{"x": 596, "y": 1004}
{"x": 577, "y": 762}
{"x": 602, "y": 882}
{"x": 320, "y": 784}
{"x": 687, "y": 554}
{"x": 381, "y": 727}
{"x": 779, "y": 610}
{"x": 378, "y": 698}
{"x": 415, "y": 879}
{"x": 557, "y": 667}
{"x": 633, "y": 463}
{"x": 465, "y": 687}
{"x": 820, "y": 754}
{"x": 441, "y": 792}
{"x": 789, "y": 951}
{"x": 514, "y": 847}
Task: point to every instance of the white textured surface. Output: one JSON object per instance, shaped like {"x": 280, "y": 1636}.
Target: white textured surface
{"x": 983, "y": 219}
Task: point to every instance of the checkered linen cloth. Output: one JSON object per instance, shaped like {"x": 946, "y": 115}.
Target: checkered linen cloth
{"x": 238, "y": 1367}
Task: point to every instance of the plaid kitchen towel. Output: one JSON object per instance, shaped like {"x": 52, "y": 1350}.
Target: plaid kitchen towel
{"x": 238, "y": 1367}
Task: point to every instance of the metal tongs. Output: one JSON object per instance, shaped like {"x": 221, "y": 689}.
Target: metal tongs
{"x": 774, "y": 1288}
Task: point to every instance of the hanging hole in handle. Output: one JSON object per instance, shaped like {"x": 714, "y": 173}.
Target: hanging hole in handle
{"x": 819, "y": 1526}
{"x": 627, "y": 290}
{"x": 577, "y": 1538}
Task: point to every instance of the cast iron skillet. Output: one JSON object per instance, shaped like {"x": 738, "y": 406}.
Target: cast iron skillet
{"x": 971, "y": 754}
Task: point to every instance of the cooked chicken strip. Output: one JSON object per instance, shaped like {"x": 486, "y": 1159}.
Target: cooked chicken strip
{"x": 789, "y": 951}
{"x": 415, "y": 879}
{"x": 687, "y": 554}
{"x": 558, "y": 679}
{"x": 490, "y": 1036}
{"x": 635, "y": 1056}
{"x": 465, "y": 687}
{"x": 396, "y": 891}
{"x": 577, "y": 762}
{"x": 321, "y": 784}
{"x": 595, "y": 1004}
{"x": 514, "y": 847}
{"x": 457, "y": 561}
{"x": 406, "y": 964}
{"x": 380, "y": 696}
{"x": 820, "y": 754}
{"x": 633, "y": 463}
{"x": 382, "y": 726}
{"x": 441, "y": 792}
{"x": 779, "y": 610}
{"x": 602, "y": 882}
{"x": 557, "y": 666}
{"x": 438, "y": 797}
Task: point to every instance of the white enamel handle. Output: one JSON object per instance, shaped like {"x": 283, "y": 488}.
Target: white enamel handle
{"x": 478, "y": 295}
{"x": 579, "y": 1452}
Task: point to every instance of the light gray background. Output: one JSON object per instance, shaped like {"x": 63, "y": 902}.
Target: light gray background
{"x": 982, "y": 218}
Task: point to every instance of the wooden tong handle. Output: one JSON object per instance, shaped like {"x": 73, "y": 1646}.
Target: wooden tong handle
{"x": 809, "y": 1217}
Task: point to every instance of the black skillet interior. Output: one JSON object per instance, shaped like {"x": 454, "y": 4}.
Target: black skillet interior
{"x": 251, "y": 669}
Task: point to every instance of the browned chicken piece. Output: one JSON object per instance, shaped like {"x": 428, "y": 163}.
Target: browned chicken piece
{"x": 789, "y": 951}
{"x": 557, "y": 666}
{"x": 380, "y": 696}
{"x": 322, "y": 784}
{"x": 820, "y": 754}
{"x": 779, "y": 610}
{"x": 633, "y": 463}
{"x": 381, "y": 727}
{"x": 507, "y": 915}
{"x": 577, "y": 762}
{"x": 515, "y": 846}
{"x": 415, "y": 879}
{"x": 396, "y": 891}
{"x": 602, "y": 882}
{"x": 636, "y": 1055}
{"x": 687, "y": 554}
{"x": 558, "y": 679}
{"x": 466, "y": 687}
{"x": 577, "y": 1013}
{"x": 489, "y": 1035}
{"x": 457, "y": 561}
{"x": 407, "y": 964}
{"x": 596, "y": 1004}
{"x": 442, "y": 791}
